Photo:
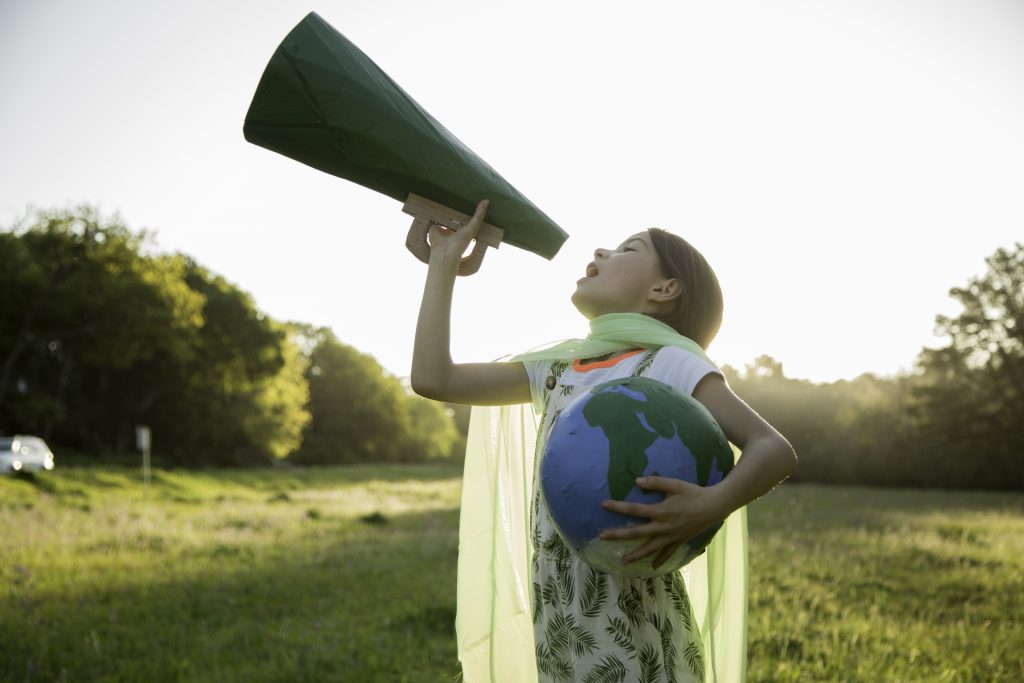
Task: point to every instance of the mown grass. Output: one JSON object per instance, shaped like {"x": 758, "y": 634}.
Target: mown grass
{"x": 348, "y": 574}
{"x": 861, "y": 584}
{"x": 320, "y": 575}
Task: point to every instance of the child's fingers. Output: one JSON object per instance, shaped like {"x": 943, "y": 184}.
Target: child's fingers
{"x": 666, "y": 553}
{"x": 470, "y": 230}
{"x": 632, "y": 509}
{"x": 625, "y": 533}
{"x": 463, "y": 234}
{"x": 666, "y": 484}
{"x": 438, "y": 232}
{"x": 480, "y": 213}
{"x": 649, "y": 548}
{"x": 437, "y": 238}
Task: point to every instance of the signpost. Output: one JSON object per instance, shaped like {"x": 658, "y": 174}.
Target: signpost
{"x": 142, "y": 443}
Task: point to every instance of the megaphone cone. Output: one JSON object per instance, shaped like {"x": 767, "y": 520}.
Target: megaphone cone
{"x": 323, "y": 102}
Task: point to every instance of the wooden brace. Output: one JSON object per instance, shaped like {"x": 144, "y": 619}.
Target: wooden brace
{"x": 426, "y": 213}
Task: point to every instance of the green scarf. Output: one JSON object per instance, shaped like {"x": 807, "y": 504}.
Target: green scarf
{"x": 494, "y": 622}
{"x": 615, "y": 332}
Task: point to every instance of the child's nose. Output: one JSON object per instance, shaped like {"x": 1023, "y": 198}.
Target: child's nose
{"x": 600, "y": 253}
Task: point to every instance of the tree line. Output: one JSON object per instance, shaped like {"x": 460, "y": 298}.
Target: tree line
{"x": 100, "y": 333}
{"x": 955, "y": 421}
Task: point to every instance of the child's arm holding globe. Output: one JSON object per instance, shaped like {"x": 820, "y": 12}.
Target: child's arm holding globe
{"x": 433, "y": 374}
{"x": 688, "y": 509}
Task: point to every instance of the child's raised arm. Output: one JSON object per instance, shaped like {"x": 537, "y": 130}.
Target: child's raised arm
{"x": 433, "y": 373}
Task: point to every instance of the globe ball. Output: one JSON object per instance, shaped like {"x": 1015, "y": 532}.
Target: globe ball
{"x": 606, "y": 438}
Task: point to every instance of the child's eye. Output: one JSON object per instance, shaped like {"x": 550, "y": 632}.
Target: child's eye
{"x": 628, "y": 249}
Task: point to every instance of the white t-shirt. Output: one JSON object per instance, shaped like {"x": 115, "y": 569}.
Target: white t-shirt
{"x": 590, "y": 625}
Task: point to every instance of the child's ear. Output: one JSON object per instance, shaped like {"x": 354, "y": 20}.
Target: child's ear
{"x": 667, "y": 290}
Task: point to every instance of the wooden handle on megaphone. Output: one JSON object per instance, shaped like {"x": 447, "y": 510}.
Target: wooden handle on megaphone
{"x": 426, "y": 213}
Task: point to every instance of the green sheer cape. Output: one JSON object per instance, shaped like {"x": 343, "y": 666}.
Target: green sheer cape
{"x": 494, "y": 622}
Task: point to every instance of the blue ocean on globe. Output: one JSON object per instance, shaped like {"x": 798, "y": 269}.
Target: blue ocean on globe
{"x": 607, "y": 437}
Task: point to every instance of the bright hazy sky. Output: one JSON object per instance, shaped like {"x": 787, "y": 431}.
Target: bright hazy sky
{"x": 841, "y": 164}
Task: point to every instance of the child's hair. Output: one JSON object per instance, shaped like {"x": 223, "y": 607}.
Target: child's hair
{"x": 698, "y": 312}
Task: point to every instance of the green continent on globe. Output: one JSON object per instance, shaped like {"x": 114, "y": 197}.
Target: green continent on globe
{"x": 666, "y": 412}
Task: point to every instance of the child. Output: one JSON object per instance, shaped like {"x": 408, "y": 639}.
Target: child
{"x": 654, "y": 305}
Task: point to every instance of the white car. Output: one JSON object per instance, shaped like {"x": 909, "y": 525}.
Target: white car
{"x": 22, "y": 453}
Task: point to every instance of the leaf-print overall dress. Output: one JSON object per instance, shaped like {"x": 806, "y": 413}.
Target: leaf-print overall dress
{"x": 591, "y": 626}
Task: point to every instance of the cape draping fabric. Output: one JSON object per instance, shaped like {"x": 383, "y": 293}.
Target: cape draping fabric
{"x": 494, "y": 622}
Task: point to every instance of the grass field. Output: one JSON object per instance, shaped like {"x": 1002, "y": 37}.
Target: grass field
{"x": 348, "y": 574}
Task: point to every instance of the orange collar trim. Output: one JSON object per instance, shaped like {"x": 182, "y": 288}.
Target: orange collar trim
{"x": 579, "y": 367}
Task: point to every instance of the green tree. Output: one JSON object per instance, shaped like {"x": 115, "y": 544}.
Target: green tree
{"x": 970, "y": 392}
{"x": 281, "y": 414}
{"x": 852, "y": 431}
{"x": 240, "y": 398}
{"x": 361, "y": 413}
{"x": 433, "y": 434}
{"x": 98, "y": 335}
{"x": 460, "y": 415}
{"x": 82, "y": 305}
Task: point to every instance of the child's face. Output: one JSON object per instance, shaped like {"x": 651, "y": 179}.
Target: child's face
{"x": 620, "y": 281}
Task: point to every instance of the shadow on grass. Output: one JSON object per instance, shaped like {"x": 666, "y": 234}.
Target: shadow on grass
{"x": 341, "y": 600}
{"x": 42, "y": 482}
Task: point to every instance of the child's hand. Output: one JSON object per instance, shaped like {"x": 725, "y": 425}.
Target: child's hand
{"x": 687, "y": 510}
{"x": 447, "y": 246}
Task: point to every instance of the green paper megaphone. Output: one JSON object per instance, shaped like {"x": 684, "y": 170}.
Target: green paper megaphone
{"x": 323, "y": 102}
